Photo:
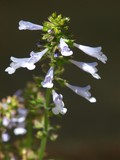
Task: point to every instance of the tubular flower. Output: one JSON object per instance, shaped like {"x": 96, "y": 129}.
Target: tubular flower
{"x": 47, "y": 83}
{"x": 25, "y": 62}
{"x": 93, "y": 52}
{"x": 25, "y": 25}
{"x": 59, "y": 104}
{"x": 5, "y": 121}
{"x": 82, "y": 91}
{"x": 87, "y": 67}
{"x": 5, "y": 137}
{"x": 65, "y": 50}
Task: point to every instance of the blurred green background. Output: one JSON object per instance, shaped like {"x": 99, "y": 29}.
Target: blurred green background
{"x": 89, "y": 131}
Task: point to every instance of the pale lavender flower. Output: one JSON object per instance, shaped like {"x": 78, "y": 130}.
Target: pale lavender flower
{"x": 22, "y": 112}
{"x": 18, "y": 119}
{"x": 87, "y": 67}
{"x": 19, "y": 122}
{"x": 5, "y": 137}
{"x": 65, "y": 50}
{"x": 59, "y": 104}
{"x": 18, "y": 93}
{"x": 56, "y": 55}
{"x": 25, "y": 62}
{"x": 5, "y": 121}
{"x": 82, "y": 91}
{"x": 92, "y": 51}
{"x": 47, "y": 83}
{"x": 25, "y": 25}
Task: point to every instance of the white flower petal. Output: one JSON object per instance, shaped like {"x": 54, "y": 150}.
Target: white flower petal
{"x": 55, "y": 110}
{"x": 82, "y": 91}
{"x": 29, "y": 66}
{"x": 87, "y": 67}
{"x": 65, "y": 51}
{"x": 47, "y": 83}
{"x": 10, "y": 70}
{"x": 20, "y": 131}
{"x": 25, "y": 25}
{"x": 63, "y": 111}
{"x": 95, "y": 75}
{"x": 92, "y": 100}
{"x": 92, "y": 51}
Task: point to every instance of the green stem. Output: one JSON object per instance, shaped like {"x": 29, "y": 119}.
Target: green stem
{"x": 29, "y": 135}
{"x": 46, "y": 124}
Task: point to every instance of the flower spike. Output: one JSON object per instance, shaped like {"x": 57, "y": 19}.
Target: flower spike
{"x": 56, "y": 39}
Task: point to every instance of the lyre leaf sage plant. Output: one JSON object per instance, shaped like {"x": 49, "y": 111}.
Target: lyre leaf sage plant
{"x": 42, "y": 100}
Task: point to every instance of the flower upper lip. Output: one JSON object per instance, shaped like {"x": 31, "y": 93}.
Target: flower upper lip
{"x": 87, "y": 67}
{"x": 25, "y": 25}
{"x": 47, "y": 83}
{"x": 82, "y": 91}
{"x": 65, "y": 50}
{"x": 92, "y": 51}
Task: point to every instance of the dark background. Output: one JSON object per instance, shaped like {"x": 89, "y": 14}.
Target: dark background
{"x": 89, "y": 131}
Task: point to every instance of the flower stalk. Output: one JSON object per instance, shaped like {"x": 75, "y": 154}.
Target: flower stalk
{"x": 57, "y": 50}
{"x": 41, "y": 150}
